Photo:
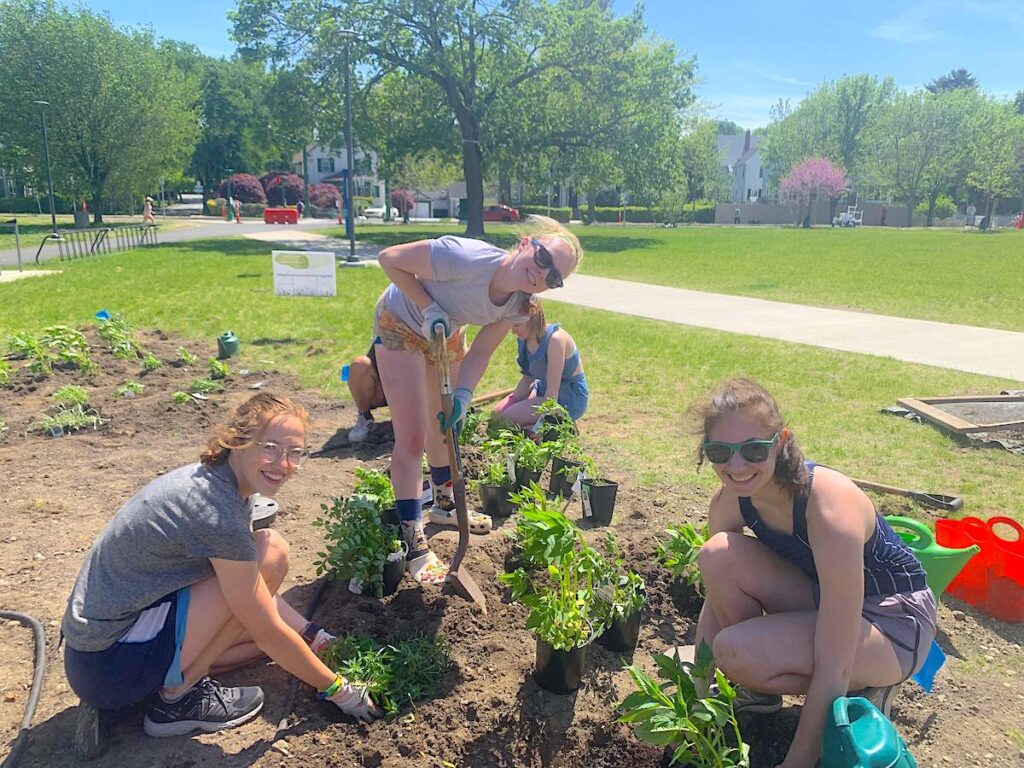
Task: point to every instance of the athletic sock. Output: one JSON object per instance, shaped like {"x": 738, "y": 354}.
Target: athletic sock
{"x": 408, "y": 509}
{"x": 440, "y": 475}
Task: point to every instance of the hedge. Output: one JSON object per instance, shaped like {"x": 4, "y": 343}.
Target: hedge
{"x": 29, "y": 205}
{"x": 245, "y": 187}
{"x": 558, "y": 214}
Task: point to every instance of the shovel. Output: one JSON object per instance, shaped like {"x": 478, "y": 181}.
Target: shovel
{"x": 933, "y": 500}
{"x": 458, "y": 576}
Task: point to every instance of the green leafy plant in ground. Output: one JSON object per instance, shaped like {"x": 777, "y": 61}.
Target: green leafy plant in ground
{"x": 373, "y": 482}
{"x": 701, "y": 729}
{"x": 399, "y": 673}
{"x": 3, "y": 424}
{"x": 150, "y": 362}
{"x": 70, "y": 419}
{"x": 203, "y": 386}
{"x": 25, "y": 345}
{"x": 70, "y": 346}
{"x": 218, "y": 370}
{"x": 470, "y": 434}
{"x": 5, "y": 372}
{"x": 186, "y": 357}
{"x": 119, "y": 336}
{"x": 70, "y": 395}
{"x": 357, "y": 543}
{"x": 621, "y": 592}
{"x": 180, "y": 398}
{"x": 679, "y": 554}
{"x": 129, "y": 386}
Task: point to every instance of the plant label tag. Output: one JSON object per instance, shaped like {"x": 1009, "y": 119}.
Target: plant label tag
{"x": 128, "y": 393}
{"x": 577, "y": 484}
{"x": 587, "y": 512}
{"x": 57, "y": 431}
{"x": 510, "y": 467}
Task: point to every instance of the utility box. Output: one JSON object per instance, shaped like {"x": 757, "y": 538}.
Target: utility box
{"x": 81, "y": 219}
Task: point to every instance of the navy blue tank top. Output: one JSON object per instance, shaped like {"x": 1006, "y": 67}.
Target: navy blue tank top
{"x": 890, "y": 566}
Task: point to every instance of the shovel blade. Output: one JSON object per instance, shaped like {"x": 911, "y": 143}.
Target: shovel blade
{"x": 463, "y": 583}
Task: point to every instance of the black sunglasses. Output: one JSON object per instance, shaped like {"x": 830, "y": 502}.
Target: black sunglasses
{"x": 543, "y": 259}
{"x": 751, "y": 451}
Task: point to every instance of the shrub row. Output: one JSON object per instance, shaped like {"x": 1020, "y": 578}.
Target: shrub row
{"x": 29, "y": 204}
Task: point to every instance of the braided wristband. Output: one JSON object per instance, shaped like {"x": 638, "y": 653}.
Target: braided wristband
{"x": 331, "y": 689}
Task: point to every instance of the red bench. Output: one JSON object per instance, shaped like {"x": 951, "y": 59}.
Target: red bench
{"x": 280, "y": 215}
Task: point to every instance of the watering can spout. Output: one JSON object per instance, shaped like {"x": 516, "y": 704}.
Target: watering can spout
{"x": 941, "y": 564}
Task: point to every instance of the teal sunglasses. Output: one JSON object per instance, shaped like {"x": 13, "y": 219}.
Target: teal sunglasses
{"x": 751, "y": 451}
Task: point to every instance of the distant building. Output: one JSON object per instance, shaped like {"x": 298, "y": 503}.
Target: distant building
{"x": 741, "y": 157}
{"x": 326, "y": 166}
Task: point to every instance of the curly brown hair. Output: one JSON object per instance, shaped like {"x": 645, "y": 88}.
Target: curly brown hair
{"x": 245, "y": 423}
{"x": 745, "y": 396}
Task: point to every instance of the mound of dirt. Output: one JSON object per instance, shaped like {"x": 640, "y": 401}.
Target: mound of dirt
{"x": 58, "y": 494}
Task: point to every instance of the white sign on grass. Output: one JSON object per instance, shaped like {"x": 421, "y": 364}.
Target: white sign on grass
{"x": 304, "y": 273}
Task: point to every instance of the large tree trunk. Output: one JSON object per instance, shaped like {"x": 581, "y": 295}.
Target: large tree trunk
{"x": 931, "y": 209}
{"x": 592, "y": 206}
{"x": 97, "y": 206}
{"x": 473, "y": 169}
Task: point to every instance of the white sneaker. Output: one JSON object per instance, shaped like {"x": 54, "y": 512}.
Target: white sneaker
{"x": 361, "y": 430}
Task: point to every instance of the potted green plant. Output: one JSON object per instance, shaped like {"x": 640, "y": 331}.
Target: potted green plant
{"x": 559, "y": 431}
{"x": 697, "y": 730}
{"x": 358, "y": 544}
{"x": 494, "y": 486}
{"x": 530, "y": 459}
{"x": 623, "y": 593}
{"x": 679, "y": 553}
{"x": 542, "y": 533}
{"x": 373, "y": 482}
{"x": 598, "y": 493}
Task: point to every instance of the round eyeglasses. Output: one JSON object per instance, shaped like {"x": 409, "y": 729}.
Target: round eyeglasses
{"x": 272, "y": 453}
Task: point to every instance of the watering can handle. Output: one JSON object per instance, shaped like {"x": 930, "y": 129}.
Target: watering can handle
{"x": 922, "y": 531}
{"x": 841, "y": 717}
{"x": 994, "y": 521}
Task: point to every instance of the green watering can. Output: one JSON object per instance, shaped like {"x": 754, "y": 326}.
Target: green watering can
{"x": 941, "y": 564}
{"x": 857, "y": 735}
{"x": 227, "y": 345}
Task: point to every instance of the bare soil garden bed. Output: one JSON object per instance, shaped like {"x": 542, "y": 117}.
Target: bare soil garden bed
{"x": 58, "y": 493}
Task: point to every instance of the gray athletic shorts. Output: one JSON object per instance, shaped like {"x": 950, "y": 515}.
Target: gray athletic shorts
{"x": 907, "y": 619}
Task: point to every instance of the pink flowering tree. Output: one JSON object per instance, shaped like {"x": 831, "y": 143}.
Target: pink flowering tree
{"x": 810, "y": 179}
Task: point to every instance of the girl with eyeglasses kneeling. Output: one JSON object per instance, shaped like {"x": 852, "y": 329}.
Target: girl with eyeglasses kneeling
{"x": 452, "y": 282}
{"x": 549, "y": 361}
{"x": 178, "y": 583}
{"x": 825, "y": 598}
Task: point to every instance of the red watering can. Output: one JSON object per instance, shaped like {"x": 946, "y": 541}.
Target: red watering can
{"x": 994, "y": 579}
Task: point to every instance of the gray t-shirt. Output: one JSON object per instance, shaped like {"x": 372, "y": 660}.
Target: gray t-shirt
{"x": 463, "y": 269}
{"x": 160, "y": 541}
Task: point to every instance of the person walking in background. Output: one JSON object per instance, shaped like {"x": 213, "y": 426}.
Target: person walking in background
{"x": 825, "y": 598}
{"x": 147, "y": 212}
{"x": 551, "y": 370}
{"x": 237, "y": 204}
{"x": 451, "y": 282}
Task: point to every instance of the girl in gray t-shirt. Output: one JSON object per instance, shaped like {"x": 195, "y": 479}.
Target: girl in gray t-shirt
{"x": 178, "y": 583}
{"x": 454, "y": 281}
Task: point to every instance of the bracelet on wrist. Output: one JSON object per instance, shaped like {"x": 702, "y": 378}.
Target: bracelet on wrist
{"x": 331, "y": 689}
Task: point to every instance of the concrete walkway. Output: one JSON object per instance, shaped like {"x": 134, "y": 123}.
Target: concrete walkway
{"x": 960, "y": 347}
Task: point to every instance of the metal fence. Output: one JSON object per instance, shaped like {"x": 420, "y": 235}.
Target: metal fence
{"x": 78, "y": 243}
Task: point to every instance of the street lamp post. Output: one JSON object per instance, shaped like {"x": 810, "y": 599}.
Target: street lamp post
{"x": 348, "y": 34}
{"x": 46, "y": 153}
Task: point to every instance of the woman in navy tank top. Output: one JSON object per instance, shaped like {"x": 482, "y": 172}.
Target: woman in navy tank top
{"x": 824, "y": 598}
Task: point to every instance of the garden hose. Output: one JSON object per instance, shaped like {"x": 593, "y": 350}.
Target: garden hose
{"x": 37, "y": 683}
{"x": 293, "y": 688}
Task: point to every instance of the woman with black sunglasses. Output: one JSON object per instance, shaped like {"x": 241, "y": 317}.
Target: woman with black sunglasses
{"x": 824, "y": 598}
{"x": 457, "y": 282}
{"x": 179, "y": 583}
{"x": 551, "y": 368}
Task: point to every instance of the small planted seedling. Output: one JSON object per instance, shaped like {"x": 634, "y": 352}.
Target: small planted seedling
{"x": 70, "y": 395}
{"x": 203, "y": 387}
{"x": 70, "y": 419}
{"x": 402, "y": 672}
{"x": 186, "y": 357}
{"x": 218, "y": 369}
{"x": 180, "y": 398}
{"x": 5, "y": 372}
{"x": 3, "y": 424}
{"x": 470, "y": 434}
{"x": 119, "y": 336}
{"x": 70, "y": 346}
{"x": 700, "y": 729}
{"x": 129, "y": 389}
{"x": 679, "y": 553}
{"x": 26, "y": 346}
{"x": 150, "y": 362}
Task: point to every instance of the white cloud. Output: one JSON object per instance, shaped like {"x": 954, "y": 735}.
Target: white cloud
{"x": 911, "y": 26}
{"x": 746, "y": 110}
{"x": 774, "y": 77}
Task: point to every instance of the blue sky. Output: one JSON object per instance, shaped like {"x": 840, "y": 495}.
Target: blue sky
{"x": 750, "y": 54}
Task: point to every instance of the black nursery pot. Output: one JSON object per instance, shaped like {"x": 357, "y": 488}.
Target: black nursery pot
{"x": 394, "y": 572}
{"x": 559, "y": 671}
{"x": 622, "y": 635}
{"x": 494, "y": 499}
{"x": 390, "y": 516}
{"x": 601, "y": 496}
{"x": 526, "y": 476}
{"x": 560, "y": 484}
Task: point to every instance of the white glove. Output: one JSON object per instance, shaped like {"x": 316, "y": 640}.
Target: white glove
{"x": 433, "y": 315}
{"x": 354, "y": 700}
{"x": 321, "y": 641}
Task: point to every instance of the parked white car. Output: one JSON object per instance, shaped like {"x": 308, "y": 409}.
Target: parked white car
{"x": 377, "y": 212}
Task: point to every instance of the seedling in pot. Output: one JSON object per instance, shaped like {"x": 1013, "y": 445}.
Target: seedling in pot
{"x": 218, "y": 369}
{"x": 129, "y": 389}
{"x": 679, "y": 553}
{"x": 357, "y": 542}
{"x": 70, "y": 395}
{"x": 627, "y": 593}
{"x": 542, "y": 532}
{"x": 700, "y": 729}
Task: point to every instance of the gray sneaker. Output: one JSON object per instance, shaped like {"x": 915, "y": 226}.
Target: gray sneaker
{"x": 754, "y": 702}
{"x": 880, "y": 697}
{"x": 361, "y": 430}
{"x": 208, "y": 706}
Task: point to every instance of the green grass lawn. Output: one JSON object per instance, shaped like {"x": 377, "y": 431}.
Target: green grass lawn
{"x": 970, "y": 278}
{"x": 642, "y": 373}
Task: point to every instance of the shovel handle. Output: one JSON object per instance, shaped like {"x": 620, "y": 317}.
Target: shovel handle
{"x": 933, "y": 500}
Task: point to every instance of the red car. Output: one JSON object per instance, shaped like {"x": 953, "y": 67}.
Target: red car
{"x": 501, "y": 213}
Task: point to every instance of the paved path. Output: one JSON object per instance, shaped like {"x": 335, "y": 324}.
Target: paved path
{"x": 964, "y": 348}
{"x": 960, "y": 347}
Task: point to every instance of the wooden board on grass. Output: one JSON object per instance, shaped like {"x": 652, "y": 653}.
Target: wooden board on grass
{"x": 955, "y": 412}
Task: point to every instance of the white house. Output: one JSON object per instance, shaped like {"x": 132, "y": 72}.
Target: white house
{"x": 741, "y": 157}
{"x": 326, "y": 166}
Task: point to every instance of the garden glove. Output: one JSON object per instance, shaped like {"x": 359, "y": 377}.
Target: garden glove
{"x": 460, "y": 407}
{"x": 353, "y": 699}
{"x": 433, "y": 315}
{"x": 316, "y": 637}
